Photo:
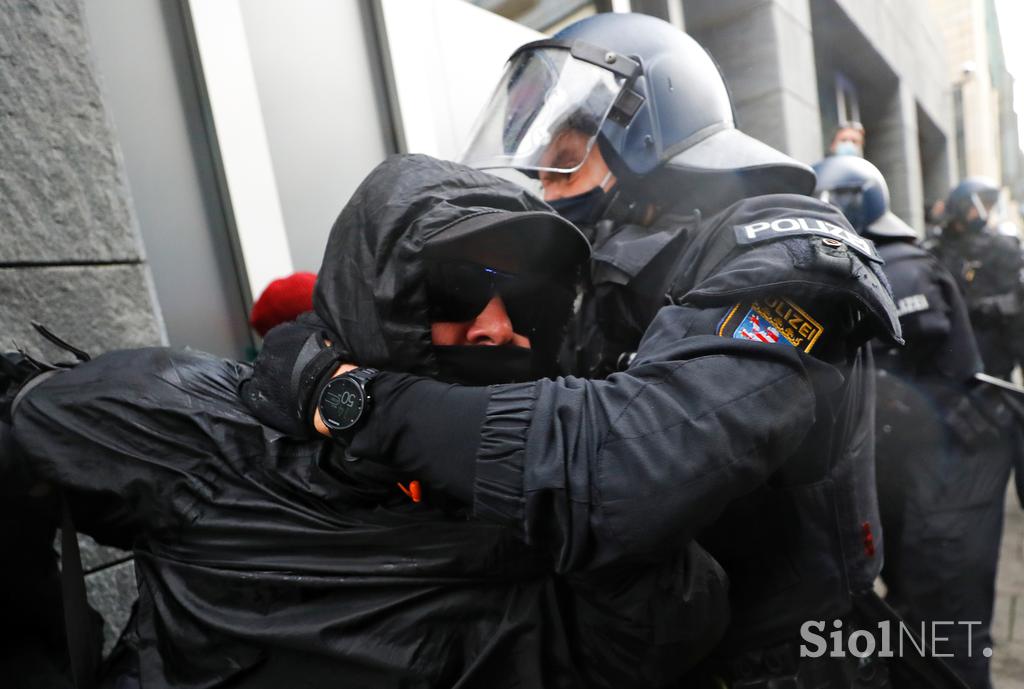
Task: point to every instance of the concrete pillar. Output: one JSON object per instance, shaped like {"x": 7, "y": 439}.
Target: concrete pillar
{"x": 766, "y": 53}
{"x": 892, "y": 145}
{"x": 70, "y": 256}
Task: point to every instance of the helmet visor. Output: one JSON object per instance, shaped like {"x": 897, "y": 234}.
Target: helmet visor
{"x": 545, "y": 113}
{"x": 850, "y": 201}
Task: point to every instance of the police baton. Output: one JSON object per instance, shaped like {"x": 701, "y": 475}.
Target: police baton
{"x": 999, "y": 383}
{"x": 1013, "y": 398}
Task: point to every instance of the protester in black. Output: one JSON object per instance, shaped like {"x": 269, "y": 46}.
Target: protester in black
{"x": 266, "y": 561}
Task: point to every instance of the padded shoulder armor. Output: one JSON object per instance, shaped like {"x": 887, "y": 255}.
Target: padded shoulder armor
{"x": 785, "y": 245}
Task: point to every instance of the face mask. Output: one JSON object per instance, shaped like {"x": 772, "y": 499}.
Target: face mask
{"x": 848, "y": 148}
{"x": 976, "y": 225}
{"x": 484, "y": 365}
{"x": 583, "y": 209}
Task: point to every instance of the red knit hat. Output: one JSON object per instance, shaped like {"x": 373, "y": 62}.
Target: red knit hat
{"x": 282, "y": 301}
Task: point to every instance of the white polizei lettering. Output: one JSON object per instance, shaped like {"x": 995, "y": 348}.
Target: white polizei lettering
{"x": 813, "y": 225}
{"x": 838, "y": 232}
{"x": 854, "y": 239}
{"x": 753, "y": 228}
{"x": 785, "y": 225}
{"x": 912, "y": 304}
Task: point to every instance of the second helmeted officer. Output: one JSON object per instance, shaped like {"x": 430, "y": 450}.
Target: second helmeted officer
{"x": 942, "y": 461}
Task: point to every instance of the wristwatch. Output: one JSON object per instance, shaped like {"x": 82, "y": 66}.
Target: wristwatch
{"x": 345, "y": 400}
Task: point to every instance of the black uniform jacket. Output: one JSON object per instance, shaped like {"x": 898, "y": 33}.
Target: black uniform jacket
{"x": 940, "y": 344}
{"x": 269, "y": 562}
{"x": 988, "y": 270}
{"x": 744, "y": 419}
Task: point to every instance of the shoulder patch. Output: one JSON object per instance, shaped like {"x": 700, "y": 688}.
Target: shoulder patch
{"x": 772, "y": 320}
{"x": 765, "y": 231}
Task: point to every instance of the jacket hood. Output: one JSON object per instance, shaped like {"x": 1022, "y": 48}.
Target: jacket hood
{"x": 370, "y": 291}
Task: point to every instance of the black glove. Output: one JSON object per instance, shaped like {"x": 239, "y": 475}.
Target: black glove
{"x": 295, "y": 363}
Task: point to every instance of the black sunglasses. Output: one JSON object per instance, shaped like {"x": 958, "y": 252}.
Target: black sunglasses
{"x": 457, "y": 291}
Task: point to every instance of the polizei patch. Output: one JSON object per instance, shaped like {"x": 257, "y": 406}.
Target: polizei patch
{"x": 772, "y": 320}
{"x": 765, "y": 230}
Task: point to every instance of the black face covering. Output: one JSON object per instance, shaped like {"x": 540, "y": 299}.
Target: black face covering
{"x": 582, "y": 209}
{"x": 976, "y": 225}
{"x": 485, "y": 365}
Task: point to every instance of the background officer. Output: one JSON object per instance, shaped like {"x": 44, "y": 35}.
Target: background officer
{"x": 987, "y": 266}
{"x": 942, "y": 464}
{"x": 848, "y": 139}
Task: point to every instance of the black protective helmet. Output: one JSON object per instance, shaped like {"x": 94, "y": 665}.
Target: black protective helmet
{"x": 858, "y": 189}
{"x": 982, "y": 193}
{"x": 647, "y": 93}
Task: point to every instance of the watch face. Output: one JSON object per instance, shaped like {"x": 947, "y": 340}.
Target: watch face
{"x": 341, "y": 403}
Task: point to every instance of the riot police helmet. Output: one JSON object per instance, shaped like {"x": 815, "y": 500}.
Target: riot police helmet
{"x": 649, "y": 95}
{"x": 858, "y": 189}
{"x": 979, "y": 193}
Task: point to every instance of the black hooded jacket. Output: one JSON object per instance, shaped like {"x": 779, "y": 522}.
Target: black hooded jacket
{"x": 268, "y": 562}
{"x": 744, "y": 418}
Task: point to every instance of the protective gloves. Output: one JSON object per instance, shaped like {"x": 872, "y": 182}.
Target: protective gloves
{"x": 296, "y": 361}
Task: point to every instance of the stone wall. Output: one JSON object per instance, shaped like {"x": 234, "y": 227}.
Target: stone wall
{"x": 766, "y": 52}
{"x": 70, "y": 255}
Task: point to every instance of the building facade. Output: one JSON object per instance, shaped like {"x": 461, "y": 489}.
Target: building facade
{"x": 985, "y": 123}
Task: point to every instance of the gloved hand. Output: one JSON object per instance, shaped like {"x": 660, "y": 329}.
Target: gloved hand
{"x": 295, "y": 363}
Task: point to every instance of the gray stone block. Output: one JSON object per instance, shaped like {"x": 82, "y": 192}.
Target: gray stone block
{"x": 803, "y": 130}
{"x": 750, "y": 67}
{"x": 63, "y": 194}
{"x": 798, "y": 10}
{"x": 95, "y": 556}
{"x": 111, "y": 592}
{"x": 795, "y": 59}
{"x": 96, "y": 308}
{"x": 764, "y": 119}
{"x": 701, "y": 14}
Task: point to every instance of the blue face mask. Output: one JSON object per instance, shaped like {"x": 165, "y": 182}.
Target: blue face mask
{"x": 848, "y": 148}
{"x": 585, "y": 208}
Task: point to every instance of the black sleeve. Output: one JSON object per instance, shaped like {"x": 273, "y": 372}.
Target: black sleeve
{"x": 600, "y": 471}
{"x": 647, "y": 626}
{"x": 425, "y": 422}
{"x": 126, "y": 435}
{"x": 14, "y": 477}
{"x": 960, "y": 358}
{"x": 1016, "y": 331}
{"x": 936, "y": 325}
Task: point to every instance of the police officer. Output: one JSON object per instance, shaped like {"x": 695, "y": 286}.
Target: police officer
{"x": 987, "y": 266}
{"x": 942, "y": 465}
{"x": 734, "y": 327}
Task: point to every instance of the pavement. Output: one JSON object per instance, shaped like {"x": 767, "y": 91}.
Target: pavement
{"x": 1008, "y": 624}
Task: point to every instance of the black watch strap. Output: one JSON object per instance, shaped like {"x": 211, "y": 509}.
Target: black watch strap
{"x": 362, "y": 375}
